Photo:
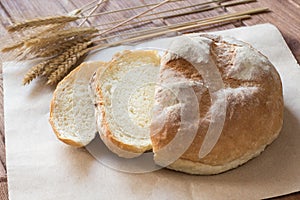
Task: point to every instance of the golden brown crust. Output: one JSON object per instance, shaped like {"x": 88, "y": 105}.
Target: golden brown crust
{"x": 58, "y": 135}
{"x": 251, "y": 122}
{"x": 197, "y": 168}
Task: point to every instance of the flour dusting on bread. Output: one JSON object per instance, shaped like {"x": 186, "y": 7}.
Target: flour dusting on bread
{"x": 249, "y": 98}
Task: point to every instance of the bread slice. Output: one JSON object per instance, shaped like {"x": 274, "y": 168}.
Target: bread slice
{"x": 71, "y": 110}
{"x": 123, "y": 97}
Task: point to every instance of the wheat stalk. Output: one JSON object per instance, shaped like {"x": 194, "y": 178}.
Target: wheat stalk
{"x": 92, "y": 11}
{"x": 41, "y": 22}
{"x": 56, "y": 61}
{"x": 61, "y": 35}
{"x": 20, "y": 43}
{"x": 12, "y": 47}
{"x": 40, "y": 44}
{"x": 58, "y": 49}
{"x": 134, "y": 17}
{"x": 204, "y": 8}
{"x": 172, "y": 28}
{"x": 137, "y": 7}
{"x": 165, "y": 31}
{"x": 52, "y": 68}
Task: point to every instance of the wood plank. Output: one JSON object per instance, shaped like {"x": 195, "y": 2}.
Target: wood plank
{"x": 2, "y": 159}
{"x": 4, "y": 20}
{"x": 3, "y": 191}
{"x": 279, "y": 17}
{"x": 20, "y": 10}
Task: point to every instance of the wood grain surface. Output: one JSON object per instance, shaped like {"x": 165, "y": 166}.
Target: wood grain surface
{"x": 285, "y": 15}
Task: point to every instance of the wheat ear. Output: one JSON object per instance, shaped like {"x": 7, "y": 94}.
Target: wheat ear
{"x": 13, "y": 46}
{"x": 34, "y": 72}
{"x": 62, "y": 35}
{"x": 62, "y": 47}
{"x": 46, "y": 68}
{"x": 66, "y": 61}
{"x": 57, "y": 60}
{"x": 24, "y": 39}
{"x": 41, "y": 22}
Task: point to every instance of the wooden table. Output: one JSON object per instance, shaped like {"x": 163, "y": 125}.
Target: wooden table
{"x": 285, "y": 15}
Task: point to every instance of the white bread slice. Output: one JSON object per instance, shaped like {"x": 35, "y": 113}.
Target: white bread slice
{"x": 71, "y": 110}
{"x": 124, "y": 95}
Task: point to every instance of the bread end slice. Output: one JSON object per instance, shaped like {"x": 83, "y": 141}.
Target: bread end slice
{"x": 71, "y": 110}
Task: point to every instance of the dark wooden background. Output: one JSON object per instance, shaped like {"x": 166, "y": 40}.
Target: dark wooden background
{"x": 285, "y": 15}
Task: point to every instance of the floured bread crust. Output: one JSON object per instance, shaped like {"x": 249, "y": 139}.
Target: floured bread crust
{"x": 253, "y": 99}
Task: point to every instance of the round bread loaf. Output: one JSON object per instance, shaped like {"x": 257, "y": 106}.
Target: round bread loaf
{"x": 239, "y": 103}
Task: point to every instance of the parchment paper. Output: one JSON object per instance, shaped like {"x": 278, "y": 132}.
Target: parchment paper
{"x": 41, "y": 167}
